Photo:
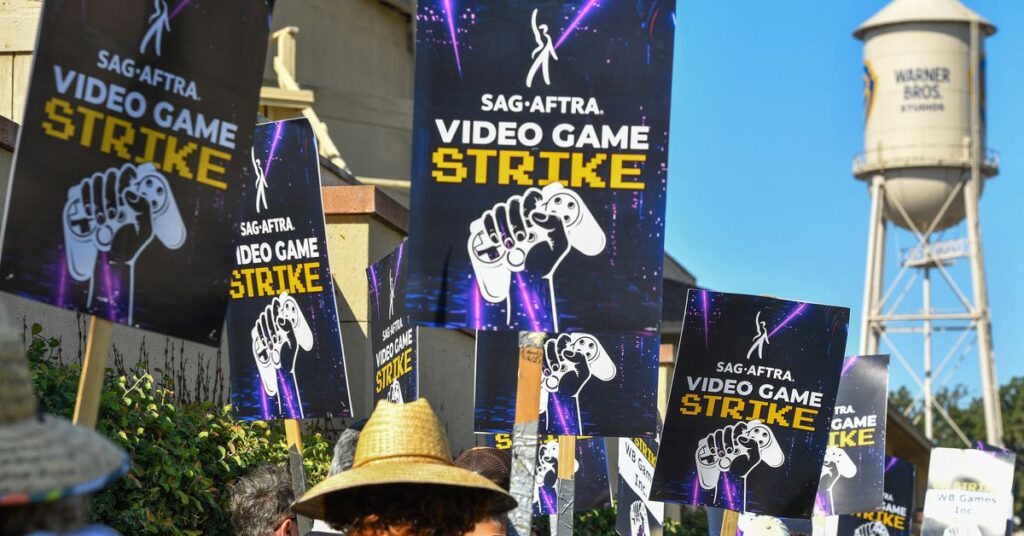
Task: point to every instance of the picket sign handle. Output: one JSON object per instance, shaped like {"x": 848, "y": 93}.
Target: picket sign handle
{"x": 524, "y": 433}
{"x": 94, "y": 365}
{"x": 293, "y": 438}
{"x": 566, "y": 484}
{"x": 730, "y": 523}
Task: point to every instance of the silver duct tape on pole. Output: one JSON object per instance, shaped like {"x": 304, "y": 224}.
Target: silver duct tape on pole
{"x": 566, "y": 503}
{"x": 298, "y": 474}
{"x": 524, "y": 467}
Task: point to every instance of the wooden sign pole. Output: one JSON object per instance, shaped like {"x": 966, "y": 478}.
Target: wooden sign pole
{"x": 293, "y": 438}
{"x": 94, "y": 365}
{"x": 524, "y": 434}
{"x": 566, "y": 484}
{"x": 730, "y": 523}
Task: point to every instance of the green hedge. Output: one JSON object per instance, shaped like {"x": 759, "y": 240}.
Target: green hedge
{"x": 184, "y": 457}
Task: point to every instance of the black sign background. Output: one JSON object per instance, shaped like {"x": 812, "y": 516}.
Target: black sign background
{"x": 395, "y": 364}
{"x": 853, "y": 480}
{"x": 619, "y": 54}
{"x": 801, "y": 354}
{"x": 287, "y": 154}
{"x": 180, "y": 282}
{"x": 897, "y": 511}
{"x": 623, "y": 406}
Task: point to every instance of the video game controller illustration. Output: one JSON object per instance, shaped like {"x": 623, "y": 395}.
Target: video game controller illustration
{"x": 755, "y": 525}
{"x": 570, "y": 360}
{"x": 638, "y": 523}
{"x": 395, "y": 393}
{"x": 281, "y": 324}
{"x": 837, "y": 465}
{"x": 873, "y": 528}
{"x": 553, "y": 219}
{"x": 737, "y": 448}
{"x": 119, "y": 211}
{"x": 962, "y": 528}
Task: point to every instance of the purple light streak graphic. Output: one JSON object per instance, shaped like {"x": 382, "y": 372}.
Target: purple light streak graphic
{"x": 704, "y": 302}
{"x": 527, "y": 299}
{"x": 728, "y": 495}
{"x": 478, "y": 306}
{"x": 289, "y": 404}
{"x": 890, "y": 464}
{"x": 63, "y": 287}
{"x": 799, "y": 309}
{"x": 849, "y": 364}
{"x": 450, "y": 14}
{"x": 376, "y": 288}
{"x": 696, "y": 491}
{"x": 273, "y": 149}
{"x": 177, "y": 9}
{"x": 575, "y": 22}
{"x": 398, "y": 263}
{"x": 547, "y": 496}
{"x": 560, "y": 414}
{"x": 264, "y": 403}
{"x": 111, "y": 309}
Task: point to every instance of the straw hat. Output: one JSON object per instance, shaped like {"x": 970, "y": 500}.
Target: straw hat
{"x": 401, "y": 444}
{"x": 42, "y": 457}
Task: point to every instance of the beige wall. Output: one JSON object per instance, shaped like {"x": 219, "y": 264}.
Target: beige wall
{"x": 356, "y": 55}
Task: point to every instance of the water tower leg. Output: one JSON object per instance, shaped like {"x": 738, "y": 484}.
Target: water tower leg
{"x": 873, "y": 270}
{"x": 926, "y": 287}
{"x": 972, "y": 193}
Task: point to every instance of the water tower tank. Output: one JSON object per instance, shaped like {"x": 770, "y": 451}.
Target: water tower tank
{"x": 917, "y": 78}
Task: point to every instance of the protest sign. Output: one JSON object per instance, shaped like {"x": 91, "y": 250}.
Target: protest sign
{"x": 137, "y": 130}
{"x": 393, "y": 337}
{"x": 592, "y": 488}
{"x": 539, "y": 167}
{"x": 283, "y": 334}
{"x": 596, "y": 384}
{"x": 969, "y": 492}
{"x": 636, "y": 514}
{"x": 749, "y": 524}
{"x": 752, "y": 394}
{"x": 854, "y": 470}
{"x": 895, "y": 516}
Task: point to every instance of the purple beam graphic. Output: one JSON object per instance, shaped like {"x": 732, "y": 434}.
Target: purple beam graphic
{"x": 849, "y": 365}
{"x": 891, "y": 464}
{"x": 292, "y": 414}
{"x": 729, "y": 499}
{"x": 264, "y": 404}
{"x": 799, "y": 309}
{"x": 576, "y": 22}
{"x": 478, "y": 306}
{"x": 704, "y": 300}
{"x": 528, "y": 301}
{"x": 177, "y": 8}
{"x": 696, "y": 492}
{"x": 451, "y": 29}
{"x": 273, "y": 149}
{"x": 398, "y": 262}
{"x": 376, "y": 288}
{"x": 560, "y": 413}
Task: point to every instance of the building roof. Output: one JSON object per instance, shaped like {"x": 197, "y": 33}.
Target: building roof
{"x": 903, "y": 11}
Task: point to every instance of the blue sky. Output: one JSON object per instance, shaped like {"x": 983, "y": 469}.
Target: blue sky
{"x": 767, "y": 114}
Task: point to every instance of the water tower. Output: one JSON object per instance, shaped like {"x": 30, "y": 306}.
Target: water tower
{"x": 925, "y": 163}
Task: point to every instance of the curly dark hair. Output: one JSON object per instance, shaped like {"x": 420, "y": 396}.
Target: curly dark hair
{"x": 418, "y": 509}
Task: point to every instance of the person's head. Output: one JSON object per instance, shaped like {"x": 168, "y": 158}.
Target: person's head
{"x": 48, "y": 466}
{"x": 261, "y": 503}
{"x": 403, "y": 481}
{"x": 496, "y": 466}
{"x": 344, "y": 450}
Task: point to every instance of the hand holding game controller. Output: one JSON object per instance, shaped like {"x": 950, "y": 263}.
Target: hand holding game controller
{"x": 119, "y": 211}
{"x": 395, "y": 393}
{"x": 638, "y": 524}
{"x": 837, "y": 465}
{"x": 736, "y": 448}
{"x": 874, "y": 528}
{"x": 530, "y": 232}
{"x": 280, "y": 324}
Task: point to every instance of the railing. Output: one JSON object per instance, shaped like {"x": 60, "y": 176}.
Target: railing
{"x": 896, "y": 156}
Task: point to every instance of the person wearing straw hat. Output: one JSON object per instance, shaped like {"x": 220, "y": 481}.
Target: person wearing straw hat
{"x": 495, "y": 465}
{"x": 403, "y": 481}
{"x": 48, "y": 466}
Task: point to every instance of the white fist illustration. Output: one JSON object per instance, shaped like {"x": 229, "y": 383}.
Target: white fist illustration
{"x": 874, "y": 528}
{"x": 530, "y": 232}
{"x": 280, "y": 327}
{"x": 736, "y": 448}
{"x": 638, "y": 524}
